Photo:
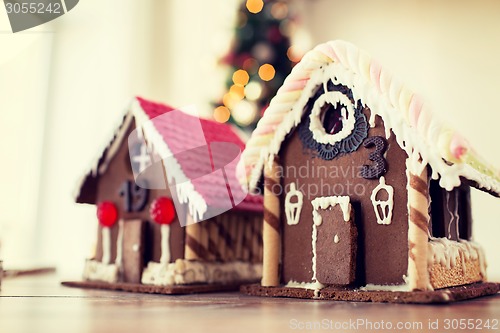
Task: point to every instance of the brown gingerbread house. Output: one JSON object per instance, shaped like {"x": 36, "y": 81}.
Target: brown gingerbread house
{"x": 173, "y": 218}
{"x": 364, "y": 190}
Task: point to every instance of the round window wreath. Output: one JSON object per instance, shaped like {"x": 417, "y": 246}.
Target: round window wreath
{"x": 334, "y": 124}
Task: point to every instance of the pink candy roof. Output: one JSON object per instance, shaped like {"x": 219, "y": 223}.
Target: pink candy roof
{"x": 198, "y": 159}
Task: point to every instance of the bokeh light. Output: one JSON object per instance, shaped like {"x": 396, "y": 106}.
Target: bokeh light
{"x": 255, "y": 6}
{"x": 221, "y": 114}
{"x": 279, "y": 10}
{"x": 241, "y": 77}
{"x": 237, "y": 92}
{"x": 266, "y": 72}
{"x": 244, "y": 113}
{"x": 253, "y": 91}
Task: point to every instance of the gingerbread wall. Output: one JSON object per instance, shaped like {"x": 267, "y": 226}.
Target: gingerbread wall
{"x": 109, "y": 188}
{"x": 382, "y": 256}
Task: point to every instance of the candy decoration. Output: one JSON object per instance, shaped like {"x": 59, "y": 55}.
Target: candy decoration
{"x": 107, "y": 214}
{"x": 162, "y": 211}
{"x": 379, "y": 166}
{"x": 345, "y": 146}
{"x": 418, "y": 226}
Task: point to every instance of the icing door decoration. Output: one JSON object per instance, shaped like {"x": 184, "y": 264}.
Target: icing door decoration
{"x": 383, "y": 208}
{"x": 334, "y": 241}
{"x": 293, "y": 205}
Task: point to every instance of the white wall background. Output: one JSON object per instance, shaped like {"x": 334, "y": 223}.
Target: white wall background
{"x": 63, "y": 85}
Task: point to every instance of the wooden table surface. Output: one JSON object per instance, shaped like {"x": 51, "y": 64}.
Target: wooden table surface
{"x": 40, "y": 304}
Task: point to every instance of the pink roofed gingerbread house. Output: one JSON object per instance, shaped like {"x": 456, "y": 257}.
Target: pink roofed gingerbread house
{"x": 172, "y": 215}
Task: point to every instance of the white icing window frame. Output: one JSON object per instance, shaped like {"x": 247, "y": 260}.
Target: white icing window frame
{"x": 389, "y": 203}
{"x": 293, "y": 209}
{"x": 316, "y": 125}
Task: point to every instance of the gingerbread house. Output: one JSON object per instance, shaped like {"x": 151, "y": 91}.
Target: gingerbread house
{"x": 173, "y": 218}
{"x": 366, "y": 193}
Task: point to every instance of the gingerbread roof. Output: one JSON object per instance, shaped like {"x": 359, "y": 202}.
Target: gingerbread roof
{"x": 191, "y": 148}
{"x": 426, "y": 140}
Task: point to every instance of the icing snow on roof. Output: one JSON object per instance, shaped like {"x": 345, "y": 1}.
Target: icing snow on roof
{"x": 425, "y": 139}
{"x": 199, "y": 155}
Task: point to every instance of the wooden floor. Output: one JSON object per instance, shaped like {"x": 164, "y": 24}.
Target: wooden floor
{"x": 40, "y": 304}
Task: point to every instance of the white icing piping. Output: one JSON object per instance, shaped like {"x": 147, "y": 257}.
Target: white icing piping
{"x": 448, "y": 253}
{"x": 316, "y": 286}
{"x": 106, "y": 245}
{"x": 385, "y": 206}
{"x": 165, "y": 244}
{"x": 293, "y": 209}
{"x": 120, "y": 129}
{"x": 186, "y": 192}
{"x": 114, "y": 146}
{"x": 348, "y": 120}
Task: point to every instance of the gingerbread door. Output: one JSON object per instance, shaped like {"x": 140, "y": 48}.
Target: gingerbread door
{"x": 336, "y": 241}
{"x": 133, "y": 250}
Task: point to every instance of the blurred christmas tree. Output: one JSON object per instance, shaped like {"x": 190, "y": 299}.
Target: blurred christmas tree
{"x": 260, "y": 59}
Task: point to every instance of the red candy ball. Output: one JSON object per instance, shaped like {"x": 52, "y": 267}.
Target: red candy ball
{"x": 107, "y": 214}
{"x": 162, "y": 210}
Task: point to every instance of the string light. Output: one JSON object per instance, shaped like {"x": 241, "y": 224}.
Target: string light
{"x": 244, "y": 113}
{"x": 266, "y": 72}
{"x": 279, "y": 10}
{"x": 253, "y": 90}
{"x": 241, "y": 77}
{"x": 251, "y": 65}
{"x": 254, "y": 6}
{"x": 221, "y": 114}
{"x": 229, "y": 100}
{"x": 293, "y": 54}
{"x": 237, "y": 92}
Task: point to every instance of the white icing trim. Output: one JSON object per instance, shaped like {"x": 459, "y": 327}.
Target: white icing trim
{"x": 115, "y": 144}
{"x": 186, "y": 192}
{"x": 165, "y": 244}
{"x": 395, "y": 287}
{"x": 388, "y": 204}
{"x": 324, "y": 203}
{"x": 348, "y": 120}
{"x": 449, "y": 253}
{"x": 316, "y": 286}
{"x": 189, "y": 272}
{"x": 98, "y": 271}
{"x": 93, "y": 169}
{"x": 106, "y": 245}
{"x": 293, "y": 209}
